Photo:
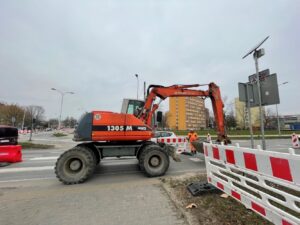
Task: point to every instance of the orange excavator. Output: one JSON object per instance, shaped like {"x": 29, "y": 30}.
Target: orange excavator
{"x": 108, "y": 134}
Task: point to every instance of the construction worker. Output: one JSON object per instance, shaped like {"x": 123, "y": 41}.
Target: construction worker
{"x": 192, "y": 136}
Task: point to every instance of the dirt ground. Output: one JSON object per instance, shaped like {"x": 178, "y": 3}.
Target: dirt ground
{"x": 211, "y": 208}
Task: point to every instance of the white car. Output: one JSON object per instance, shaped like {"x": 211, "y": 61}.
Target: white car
{"x": 171, "y": 138}
{"x": 163, "y": 134}
{"x": 159, "y": 134}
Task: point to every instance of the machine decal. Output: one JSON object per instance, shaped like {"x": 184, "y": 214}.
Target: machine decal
{"x": 120, "y": 128}
{"x": 97, "y": 117}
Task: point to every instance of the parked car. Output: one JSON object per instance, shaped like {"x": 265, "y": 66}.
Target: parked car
{"x": 8, "y": 135}
{"x": 159, "y": 134}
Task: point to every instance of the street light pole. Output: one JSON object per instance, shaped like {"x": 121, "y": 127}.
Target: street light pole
{"x": 62, "y": 93}
{"x": 137, "y": 89}
{"x": 278, "y": 122}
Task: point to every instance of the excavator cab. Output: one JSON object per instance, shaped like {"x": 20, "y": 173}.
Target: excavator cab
{"x": 132, "y": 106}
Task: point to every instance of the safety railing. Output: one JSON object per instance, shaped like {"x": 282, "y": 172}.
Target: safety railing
{"x": 180, "y": 143}
{"x": 267, "y": 182}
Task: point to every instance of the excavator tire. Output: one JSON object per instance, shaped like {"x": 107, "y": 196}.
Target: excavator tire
{"x": 154, "y": 161}
{"x": 75, "y": 165}
{"x": 141, "y": 160}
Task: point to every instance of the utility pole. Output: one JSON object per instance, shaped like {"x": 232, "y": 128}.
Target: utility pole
{"x": 278, "y": 122}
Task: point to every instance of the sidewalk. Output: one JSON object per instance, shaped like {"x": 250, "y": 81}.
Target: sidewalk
{"x": 108, "y": 202}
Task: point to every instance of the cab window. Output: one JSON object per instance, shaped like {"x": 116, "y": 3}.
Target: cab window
{"x": 133, "y": 106}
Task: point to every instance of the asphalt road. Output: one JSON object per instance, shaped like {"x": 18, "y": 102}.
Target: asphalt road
{"x": 39, "y": 164}
{"x": 118, "y": 193}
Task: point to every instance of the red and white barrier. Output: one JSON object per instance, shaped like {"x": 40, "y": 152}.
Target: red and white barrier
{"x": 295, "y": 141}
{"x": 266, "y": 182}
{"x": 180, "y": 143}
{"x": 11, "y": 153}
{"x": 24, "y": 131}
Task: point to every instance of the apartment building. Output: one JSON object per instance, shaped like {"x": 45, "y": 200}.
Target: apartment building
{"x": 187, "y": 113}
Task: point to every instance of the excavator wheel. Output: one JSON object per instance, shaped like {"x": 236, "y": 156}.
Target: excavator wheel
{"x": 75, "y": 165}
{"x": 154, "y": 161}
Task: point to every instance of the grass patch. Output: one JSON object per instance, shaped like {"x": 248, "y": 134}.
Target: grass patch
{"x": 30, "y": 145}
{"x": 58, "y": 134}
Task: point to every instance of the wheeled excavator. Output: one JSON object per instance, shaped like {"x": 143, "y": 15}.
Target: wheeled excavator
{"x": 108, "y": 134}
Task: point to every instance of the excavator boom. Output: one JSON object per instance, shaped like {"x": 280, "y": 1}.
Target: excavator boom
{"x": 162, "y": 92}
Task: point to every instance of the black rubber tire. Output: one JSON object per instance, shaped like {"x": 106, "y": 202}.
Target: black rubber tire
{"x": 87, "y": 164}
{"x": 141, "y": 160}
{"x": 150, "y": 152}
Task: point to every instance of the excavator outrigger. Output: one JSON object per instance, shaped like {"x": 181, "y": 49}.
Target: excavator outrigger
{"x": 108, "y": 134}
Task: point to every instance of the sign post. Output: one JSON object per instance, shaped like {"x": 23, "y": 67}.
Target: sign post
{"x": 249, "y": 115}
{"x": 257, "y": 53}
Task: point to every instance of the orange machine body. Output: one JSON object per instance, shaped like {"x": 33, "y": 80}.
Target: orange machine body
{"x": 110, "y": 126}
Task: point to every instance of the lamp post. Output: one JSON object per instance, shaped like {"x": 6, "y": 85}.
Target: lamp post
{"x": 278, "y": 122}
{"x": 62, "y": 93}
{"x": 137, "y": 88}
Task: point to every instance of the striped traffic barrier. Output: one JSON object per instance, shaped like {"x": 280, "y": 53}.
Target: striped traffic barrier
{"x": 267, "y": 182}
{"x": 179, "y": 143}
{"x": 295, "y": 140}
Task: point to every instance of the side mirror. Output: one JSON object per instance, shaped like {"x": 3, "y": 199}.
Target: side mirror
{"x": 159, "y": 116}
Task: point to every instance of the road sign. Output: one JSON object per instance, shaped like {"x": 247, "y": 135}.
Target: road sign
{"x": 251, "y": 93}
{"x": 268, "y": 88}
{"x": 262, "y": 75}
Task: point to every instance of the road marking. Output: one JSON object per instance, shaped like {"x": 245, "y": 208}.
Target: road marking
{"x": 26, "y": 169}
{"x": 196, "y": 159}
{"x": 44, "y": 158}
{"x": 29, "y": 179}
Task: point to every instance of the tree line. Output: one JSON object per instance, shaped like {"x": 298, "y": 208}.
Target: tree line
{"x": 30, "y": 116}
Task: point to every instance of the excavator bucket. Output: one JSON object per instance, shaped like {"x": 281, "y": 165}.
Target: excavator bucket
{"x": 198, "y": 146}
{"x": 171, "y": 150}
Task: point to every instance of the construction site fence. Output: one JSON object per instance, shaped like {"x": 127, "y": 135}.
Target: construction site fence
{"x": 264, "y": 181}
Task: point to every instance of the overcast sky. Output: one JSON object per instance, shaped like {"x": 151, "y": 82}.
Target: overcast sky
{"x": 94, "y": 48}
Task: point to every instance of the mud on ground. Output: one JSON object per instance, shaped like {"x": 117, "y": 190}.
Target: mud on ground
{"x": 211, "y": 208}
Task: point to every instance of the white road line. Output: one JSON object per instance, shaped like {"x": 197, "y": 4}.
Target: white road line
{"x": 26, "y": 169}
{"x": 196, "y": 159}
{"x": 29, "y": 179}
{"x": 44, "y": 158}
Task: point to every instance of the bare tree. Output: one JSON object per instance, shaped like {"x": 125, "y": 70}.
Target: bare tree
{"x": 11, "y": 114}
{"x": 34, "y": 112}
{"x": 269, "y": 118}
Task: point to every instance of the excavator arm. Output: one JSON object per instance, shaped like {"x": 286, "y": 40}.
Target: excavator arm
{"x": 162, "y": 92}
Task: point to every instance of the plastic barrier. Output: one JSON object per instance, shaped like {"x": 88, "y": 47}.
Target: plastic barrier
{"x": 265, "y": 181}
{"x": 295, "y": 141}
{"x": 11, "y": 153}
{"x": 24, "y": 131}
{"x": 180, "y": 143}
